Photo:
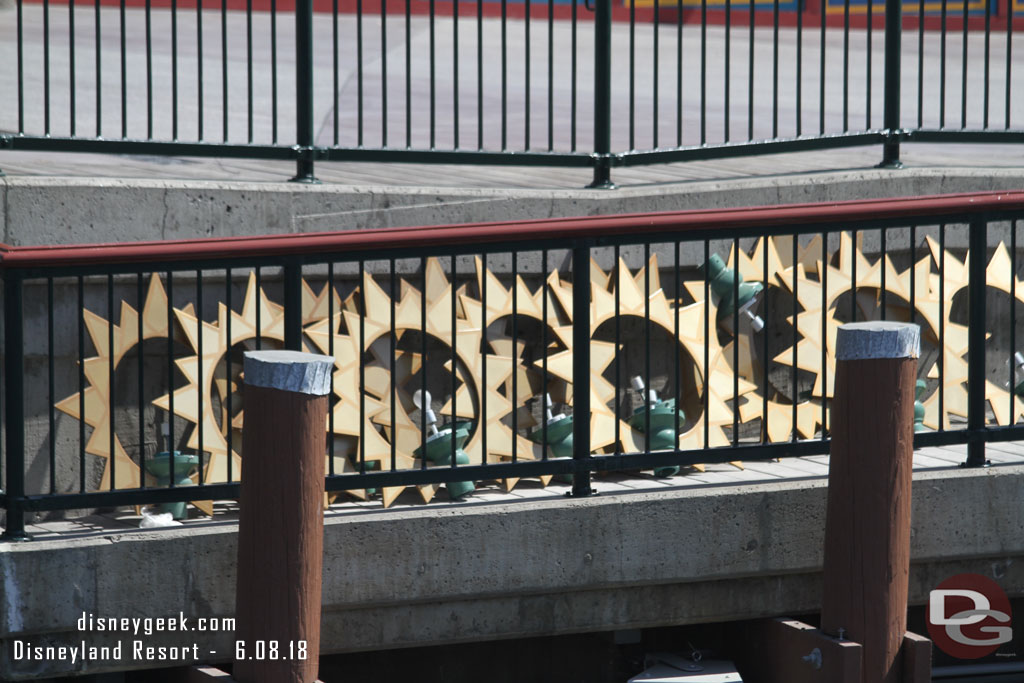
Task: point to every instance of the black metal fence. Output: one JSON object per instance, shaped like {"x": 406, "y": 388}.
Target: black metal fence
{"x": 487, "y": 82}
{"x": 635, "y": 321}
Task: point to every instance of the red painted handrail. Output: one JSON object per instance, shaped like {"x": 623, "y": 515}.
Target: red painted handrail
{"x": 349, "y": 241}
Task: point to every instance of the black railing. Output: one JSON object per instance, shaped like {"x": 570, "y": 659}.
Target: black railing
{"x": 493, "y": 82}
{"x": 104, "y": 344}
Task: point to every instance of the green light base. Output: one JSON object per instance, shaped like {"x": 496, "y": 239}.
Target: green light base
{"x": 559, "y": 442}
{"x": 160, "y": 467}
{"x": 439, "y": 452}
{"x": 663, "y": 430}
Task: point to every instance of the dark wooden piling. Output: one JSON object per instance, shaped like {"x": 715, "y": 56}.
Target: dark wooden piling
{"x": 280, "y": 538}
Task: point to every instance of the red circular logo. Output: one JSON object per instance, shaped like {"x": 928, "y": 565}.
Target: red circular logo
{"x": 969, "y": 616}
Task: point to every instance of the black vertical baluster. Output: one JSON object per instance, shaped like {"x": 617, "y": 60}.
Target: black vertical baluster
{"x": 21, "y": 68}
{"x": 335, "y": 104}
{"x": 572, "y": 87}
{"x": 433, "y": 83}
{"x": 853, "y": 279}
{"x": 455, "y": 71}
{"x": 515, "y": 355}
{"x": 273, "y": 70}
{"x": 81, "y": 385}
{"x": 544, "y": 345}
{"x": 249, "y": 69}
{"x": 821, "y": 72}
{"x": 867, "y": 64}
{"x": 174, "y": 70}
{"x": 224, "y": 68}
{"x": 99, "y": 72}
{"x": 882, "y": 292}
{"x": 423, "y": 363}
{"x": 362, "y": 371}
{"x": 647, "y": 348}
{"x": 920, "y": 64}
{"x": 799, "y": 69}
{"x": 140, "y": 302}
{"x": 199, "y": 372}
{"x": 750, "y": 76}
{"x": 679, "y": 77}
{"x": 976, "y": 344}
{"x": 846, "y": 66}
{"x": 728, "y": 63}
{"x": 391, "y": 368}
{"x": 796, "y": 313}
{"x": 14, "y": 407}
{"x": 632, "y": 75}
{"x": 504, "y": 75}
{"x": 764, "y": 340}
{"x": 480, "y": 82}
{"x": 124, "y": 79}
{"x": 170, "y": 374}
{"x": 618, "y": 362}
{"x": 942, "y": 327}
{"x": 736, "y": 344}
{"x": 988, "y": 57}
{"x": 149, "y": 69}
{"x": 527, "y": 67}
{"x": 775, "y": 69}
{"x": 963, "y": 71}
{"x": 228, "y": 371}
{"x": 50, "y": 381}
{"x": 913, "y": 273}
{"x": 823, "y": 281}
{"x": 677, "y": 379}
{"x": 112, "y": 388}
{"x": 1013, "y": 319}
{"x": 581, "y": 368}
{"x": 259, "y": 311}
{"x": 332, "y": 329}
{"x": 408, "y": 74}
{"x": 199, "y": 66}
{"x": 384, "y": 73}
{"x": 704, "y": 69}
{"x": 359, "y": 68}
{"x": 71, "y": 67}
{"x": 455, "y": 368}
{"x": 942, "y": 67}
{"x": 46, "y": 62}
{"x": 1009, "y": 57}
{"x": 305, "y": 136}
{"x": 706, "y": 374}
{"x": 551, "y": 79}
{"x": 483, "y": 360}
{"x": 602, "y": 94}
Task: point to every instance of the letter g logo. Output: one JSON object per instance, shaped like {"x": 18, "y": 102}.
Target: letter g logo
{"x": 973, "y": 601}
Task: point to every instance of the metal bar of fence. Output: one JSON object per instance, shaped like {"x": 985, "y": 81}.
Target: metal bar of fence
{"x": 14, "y": 406}
{"x": 976, "y": 338}
{"x": 304, "y": 88}
{"x": 581, "y": 363}
{"x": 602, "y": 94}
{"x": 891, "y": 113}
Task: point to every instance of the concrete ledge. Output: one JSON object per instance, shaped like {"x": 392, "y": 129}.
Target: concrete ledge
{"x": 447, "y": 574}
{"x": 66, "y": 210}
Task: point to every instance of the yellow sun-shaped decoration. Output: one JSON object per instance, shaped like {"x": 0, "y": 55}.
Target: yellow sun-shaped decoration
{"x": 634, "y": 301}
{"x": 96, "y": 397}
{"x": 358, "y": 414}
{"x": 1000, "y": 275}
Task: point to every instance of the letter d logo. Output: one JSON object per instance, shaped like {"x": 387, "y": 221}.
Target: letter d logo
{"x": 963, "y": 616}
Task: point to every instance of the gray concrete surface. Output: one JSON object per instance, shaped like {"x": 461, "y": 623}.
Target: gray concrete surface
{"x": 448, "y": 574}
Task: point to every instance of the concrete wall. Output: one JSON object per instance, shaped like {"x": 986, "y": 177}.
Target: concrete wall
{"x": 450, "y": 573}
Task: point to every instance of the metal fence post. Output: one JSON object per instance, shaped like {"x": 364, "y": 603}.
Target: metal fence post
{"x": 581, "y": 367}
{"x": 602, "y": 96}
{"x": 976, "y": 346}
{"x": 891, "y": 114}
{"x": 14, "y": 368}
{"x": 304, "y": 90}
{"x": 293, "y": 306}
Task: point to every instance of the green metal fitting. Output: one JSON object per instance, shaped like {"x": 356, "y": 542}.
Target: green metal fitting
{"x": 663, "y": 429}
{"x": 184, "y": 466}
{"x": 439, "y": 452}
{"x": 723, "y": 280}
{"x": 559, "y": 442}
{"x": 919, "y": 390}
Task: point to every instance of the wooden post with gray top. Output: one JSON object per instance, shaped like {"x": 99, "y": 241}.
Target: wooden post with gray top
{"x": 280, "y": 536}
{"x": 867, "y": 528}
